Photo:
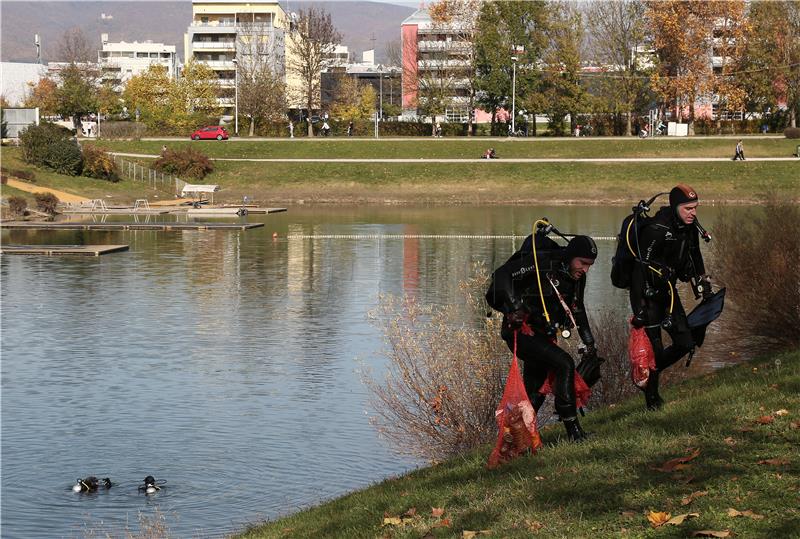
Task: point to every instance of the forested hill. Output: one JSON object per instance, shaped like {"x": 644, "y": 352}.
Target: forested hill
{"x": 166, "y": 22}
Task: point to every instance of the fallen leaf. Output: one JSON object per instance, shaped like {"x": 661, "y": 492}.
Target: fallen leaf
{"x": 693, "y": 496}
{"x": 534, "y": 525}
{"x": 392, "y": 521}
{"x": 437, "y": 511}
{"x": 712, "y": 533}
{"x": 411, "y": 512}
{"x": 746, "y": 513}
{"x": 774, "y": 386}
{"x": 444, "y": 523}
{"x": 658, "y": 518}
{"x": 794, "y": 425}
{"x": 765, "y": 419}
{"x": 782, "y": 412}
{"x": 539, "y": 478}
{"x": 678, "y": 463}
{"x": 466, "y": 534}
{"x": 774, "y": 462}
{"x": 678, "y": 520}
{"x": 730, "y": 441}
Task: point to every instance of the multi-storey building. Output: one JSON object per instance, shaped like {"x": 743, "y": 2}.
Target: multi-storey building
{"x": 221, "y": 29}
{"x": 120, "y": 61}
{"x": 384, "y": 79}
{"x": 434, "y": 57}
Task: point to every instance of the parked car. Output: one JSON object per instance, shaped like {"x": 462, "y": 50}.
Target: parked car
{"x": 211, "y": 132}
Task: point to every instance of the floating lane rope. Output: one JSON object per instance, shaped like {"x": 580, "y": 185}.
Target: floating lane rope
{"x": 417, "y": 236}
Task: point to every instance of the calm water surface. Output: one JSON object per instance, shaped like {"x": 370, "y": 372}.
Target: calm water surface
{"x": 224, "y": 362}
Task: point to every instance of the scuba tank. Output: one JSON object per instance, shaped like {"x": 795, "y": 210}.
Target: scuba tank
{"x": 627, "y": 251}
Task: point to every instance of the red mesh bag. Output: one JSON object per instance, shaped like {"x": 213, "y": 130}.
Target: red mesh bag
{"x": 582, "y": 390}
{"x": 641, "y": 355}
{"x": 516, "y": 420}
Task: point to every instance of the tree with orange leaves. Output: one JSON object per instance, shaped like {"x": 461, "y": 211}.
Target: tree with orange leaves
{"x": 43, "y": 95}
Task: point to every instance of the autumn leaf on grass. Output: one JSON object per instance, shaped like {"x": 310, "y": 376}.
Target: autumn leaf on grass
{"x": 392, "y": 521}
{"x": 712, "y": 533}
{"x": 765, "y": 419}
{"x": 411, "y": 512}
{"x": 678, "y": 463}
{"x": 693, "y": 496}
{"x": 782, "y": 412}
{"x": 774, "y": 462}
{"x": 730, "y": 440}
{"x": 534, "y": 525}
{"x": 794, "y": 425}
{"x": 746, "y": 513}
{"x": 658, "y": 518}
{"x": 678, "y": 520}
{"x": 437, "y": 511}
{"x": 444, "y": 523}
{"x": 466, "y": 534}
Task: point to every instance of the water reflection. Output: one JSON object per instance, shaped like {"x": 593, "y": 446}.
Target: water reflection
{"x": 222, "y": 361}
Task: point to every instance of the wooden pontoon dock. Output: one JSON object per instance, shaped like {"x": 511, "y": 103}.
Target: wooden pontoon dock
{"x": 52, "y": 250}
{"x": 19, "y": 225}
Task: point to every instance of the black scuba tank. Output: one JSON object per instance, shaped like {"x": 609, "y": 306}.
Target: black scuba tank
{"x": 518, "y": 273}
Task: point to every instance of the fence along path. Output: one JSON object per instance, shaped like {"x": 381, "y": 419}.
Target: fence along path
{"x": 153, "y": 178}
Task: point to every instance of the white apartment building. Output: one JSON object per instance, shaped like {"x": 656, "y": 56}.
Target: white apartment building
{"x": 121, "y": 61}
{"x": 221, "y": 30}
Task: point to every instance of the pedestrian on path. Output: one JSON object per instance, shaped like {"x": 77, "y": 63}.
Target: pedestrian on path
{"x": 291, "y": 129}
{"x": 739, "y": 151}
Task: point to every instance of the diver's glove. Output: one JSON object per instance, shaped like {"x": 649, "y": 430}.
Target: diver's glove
{"x": 638, "y": 320}
{"x": 704, "y": 286}
{"x": 516, "y": 319}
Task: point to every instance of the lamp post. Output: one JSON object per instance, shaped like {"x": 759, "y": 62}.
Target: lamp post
{"x": 380, "y": 91}
{"x": 517, "y": 50}
{"x": 236, "y": 96}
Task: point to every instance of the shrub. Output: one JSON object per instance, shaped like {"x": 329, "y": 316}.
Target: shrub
{"x": 791, "y": 132}
{"x": 98, "y": 163}
{"x": 64, "y": 157}
{"x": 184, "y": 162}
{"x": 35, "y": 141}
{"x": 20, "y": 174}
{"x": 46, "y": 202}
{"x": 122, "y": 130}
{"x": 754, "y": 257}
{"x": 17, "y": 205}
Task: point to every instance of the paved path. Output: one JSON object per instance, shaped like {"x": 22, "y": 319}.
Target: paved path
{"x": 501, "y": 160}
{"x": 472, "y": 139}
{"x": 62, "y": 196}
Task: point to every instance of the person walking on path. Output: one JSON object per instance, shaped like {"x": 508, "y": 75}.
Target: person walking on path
{"x": 350, "y": 129}
{"x": 739, "y": 151}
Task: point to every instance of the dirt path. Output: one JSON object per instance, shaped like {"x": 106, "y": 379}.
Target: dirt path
{"x": 62, "y": 196}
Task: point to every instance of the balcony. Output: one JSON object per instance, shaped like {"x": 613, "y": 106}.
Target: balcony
{"x": 441, "y": 46}
{"x": 442, "y": 64}
{"x": 217, "y": 64}
{"x": 226, "y": 83}
{"x": 218, "y": 45}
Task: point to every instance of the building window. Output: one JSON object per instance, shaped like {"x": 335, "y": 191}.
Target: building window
{"x": 457, "y": 115}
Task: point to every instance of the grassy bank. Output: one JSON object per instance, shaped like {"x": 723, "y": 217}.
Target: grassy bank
{"x": 469, "y": 148}
{"x": 484, "y": 182}
{"x": 738, "y": 429}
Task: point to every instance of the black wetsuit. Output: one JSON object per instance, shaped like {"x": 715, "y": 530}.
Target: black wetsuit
{"x": 538, "y": 352}
{"x": 673, "y": 248}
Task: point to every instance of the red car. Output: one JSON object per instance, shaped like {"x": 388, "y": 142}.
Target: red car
{"x": 213, "y": 131}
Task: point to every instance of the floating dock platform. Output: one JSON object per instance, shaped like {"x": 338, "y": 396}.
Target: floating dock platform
{"x": 131, "y": 226}
{"x": 112, "y": 211}
{"x": 53, "y": 250}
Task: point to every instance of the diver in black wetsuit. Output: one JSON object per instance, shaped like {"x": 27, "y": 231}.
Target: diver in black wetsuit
{"x": 670, "y": 250}
{"x": 562, "y": 272}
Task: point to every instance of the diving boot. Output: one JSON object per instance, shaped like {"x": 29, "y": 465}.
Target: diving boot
{"x": 651, "y": 397}
{"x": 574, "y": 431}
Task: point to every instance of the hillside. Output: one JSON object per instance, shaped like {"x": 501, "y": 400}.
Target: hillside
{"x": 166, "y": 21}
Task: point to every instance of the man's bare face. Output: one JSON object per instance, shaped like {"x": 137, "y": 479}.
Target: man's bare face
{"x": 579, "y": 266}
{"x": 687, "y": 212}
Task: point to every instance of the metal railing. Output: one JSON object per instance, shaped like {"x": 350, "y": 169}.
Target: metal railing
{"x": 155, "y": 179}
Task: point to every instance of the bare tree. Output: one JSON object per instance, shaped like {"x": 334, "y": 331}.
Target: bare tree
{"x": 394, "y": 53}
{"x": 74, "y": 47}
{"x": 259, "y": 66}
{"x": 312, "y": 41}
{"x": 459, "y": 18}
{"x": 618, "y": 30}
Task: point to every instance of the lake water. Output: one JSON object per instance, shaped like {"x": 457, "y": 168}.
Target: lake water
{"x": 226, "y": 362}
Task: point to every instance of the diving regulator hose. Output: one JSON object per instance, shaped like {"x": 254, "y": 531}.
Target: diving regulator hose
{"x": 545, "y": 223}
{"x": 654, "y": 270}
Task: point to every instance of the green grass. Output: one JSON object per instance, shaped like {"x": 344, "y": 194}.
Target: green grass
{"x": 463, "y": 148}
{"x": 606, "y": 487}
{"x": 122, "y": 191}
{"x": 496, "y": 182}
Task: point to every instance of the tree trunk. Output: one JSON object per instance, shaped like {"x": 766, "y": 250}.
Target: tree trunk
{"x": 494, "y": 120}
{"x": 793, "y": 118}
{"x": 252, "y": 126}
{"x": 629, "y": 124}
